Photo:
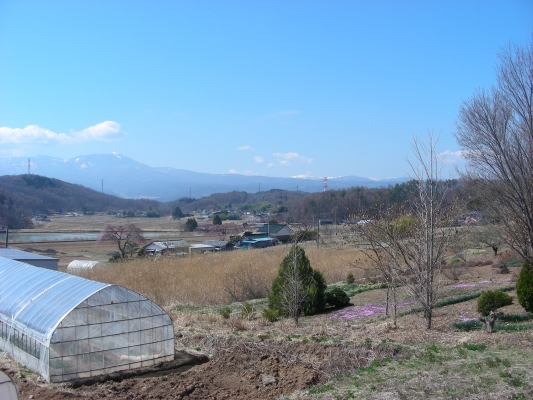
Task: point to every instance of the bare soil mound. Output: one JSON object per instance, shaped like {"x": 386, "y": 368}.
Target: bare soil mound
{"x": 239, "y": 369}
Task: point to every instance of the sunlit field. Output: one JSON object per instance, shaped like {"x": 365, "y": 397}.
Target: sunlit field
{"x": 211, "y": 278}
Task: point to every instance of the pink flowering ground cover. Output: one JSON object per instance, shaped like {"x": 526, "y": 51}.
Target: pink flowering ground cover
{"x": 464, "y": 286}
{"x": 368, "y": 310}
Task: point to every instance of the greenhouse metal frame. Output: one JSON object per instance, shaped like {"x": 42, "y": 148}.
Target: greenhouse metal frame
{"x": 65, "y": 327}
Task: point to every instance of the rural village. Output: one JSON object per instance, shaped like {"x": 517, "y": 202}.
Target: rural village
{"x": 407, "y": 288}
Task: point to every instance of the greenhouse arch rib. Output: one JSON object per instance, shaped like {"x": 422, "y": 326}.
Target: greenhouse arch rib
{"x": 66, "y": 327}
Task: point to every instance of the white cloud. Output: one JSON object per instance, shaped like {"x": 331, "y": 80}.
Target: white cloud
{"x": 286, "y": 157}
{"x": 106, "y": 130}
{"x": 233, "y": 171}
{"x": 242, "y": 148}
{"x": 258, "y": 159}
{"x": 452, "y": 157}
{"x": 33, "y": 134}
{"x": 270, "y": 165}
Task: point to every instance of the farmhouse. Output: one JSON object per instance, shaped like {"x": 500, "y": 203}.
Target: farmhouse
{"x": 30, "y": 258}
{"x": 65, "y": 327}
{"x": 281, "y": 232}
{"x": 201, "y": 248}
{"x": 169, "y": 246}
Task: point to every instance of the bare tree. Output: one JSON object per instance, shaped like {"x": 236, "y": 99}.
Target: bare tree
{"x": 408, "y": 246}
{"x": 495, "y": 130}
{"x": 422, "y": 256}
{"x": 381, "y": 235}
{"x": 125, "y": 237}
{"x": 490, "y": 234}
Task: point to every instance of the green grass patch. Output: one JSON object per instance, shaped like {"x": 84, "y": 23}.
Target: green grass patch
{"x": 466, "y": 326}
{"x": 510, "y": 322}
{"x": 353, "y": 288}
{"x": 475, "y": 347}
{"x": 453, "y": 300}
{"x": 516, "y": 317}
{"x": 510, "y": 327}
{"x": 320, "y": 389}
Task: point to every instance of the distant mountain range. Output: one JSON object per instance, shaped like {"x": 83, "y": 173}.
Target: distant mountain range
{"x": 128, "y": 178}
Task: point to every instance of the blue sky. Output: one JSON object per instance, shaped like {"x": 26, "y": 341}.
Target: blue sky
{"x": 275, "y": 88}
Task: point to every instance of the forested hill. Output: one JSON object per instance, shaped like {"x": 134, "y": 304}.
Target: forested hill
{"x": 22, "y": 196}
{"x": 35, "y": 194}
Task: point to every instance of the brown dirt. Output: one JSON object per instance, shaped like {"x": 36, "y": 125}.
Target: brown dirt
{"x": 240, "y": 369}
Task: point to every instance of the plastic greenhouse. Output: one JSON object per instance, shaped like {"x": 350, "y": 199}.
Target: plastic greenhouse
{"x": 65, "y": 327}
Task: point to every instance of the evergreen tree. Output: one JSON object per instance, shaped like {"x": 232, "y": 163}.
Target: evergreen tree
{"x": 524, "y": 287}
{"x": 217, "y": 220}
{"x": 177, "y": 213}
{"x": 298, "y": 289}
{"x": 191, "y": 224}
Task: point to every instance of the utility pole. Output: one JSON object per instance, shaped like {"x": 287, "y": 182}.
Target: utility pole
{"x": 318, "y": 234}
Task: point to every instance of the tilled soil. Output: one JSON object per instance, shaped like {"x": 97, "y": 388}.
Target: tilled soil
{"x": 239, "y": 369}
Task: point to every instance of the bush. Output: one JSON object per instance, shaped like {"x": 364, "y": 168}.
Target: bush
{"x": 350, "y": 279}
{"x": 297, "y": 280}
{"x": 492, "y": 300}
{"x": 337, "y": 297}
{"x": 247, "y": 311}
{"x": 270, "y": 315}
{"x": 191, "y": 224}
{"x": 524, "y": 287}
{"x": 152, "y": 214}
{"x": 225, "y": 312}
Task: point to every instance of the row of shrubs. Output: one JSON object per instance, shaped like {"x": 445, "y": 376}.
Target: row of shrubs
{"x": 298, "y": 289}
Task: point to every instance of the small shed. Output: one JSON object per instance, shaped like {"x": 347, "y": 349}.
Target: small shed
{"x": 82, "y": 264}
{"x": 30, "y": 258}
{"x": 257, "y": 243}
{"x": 164, "y": 247}
{"x": 201, "y": 248}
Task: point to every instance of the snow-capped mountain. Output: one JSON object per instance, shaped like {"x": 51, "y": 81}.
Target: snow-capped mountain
{"x": 124, "y": 177}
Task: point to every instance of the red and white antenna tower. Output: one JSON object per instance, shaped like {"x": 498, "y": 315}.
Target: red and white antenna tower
{"x": 325, "y": 183}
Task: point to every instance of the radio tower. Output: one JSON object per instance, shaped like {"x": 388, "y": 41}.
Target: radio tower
{"x": 325, "y": 183}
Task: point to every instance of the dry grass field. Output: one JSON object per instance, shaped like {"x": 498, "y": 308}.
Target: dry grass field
{"x": 206, "y": 279}
{"x": 352, "y": 353}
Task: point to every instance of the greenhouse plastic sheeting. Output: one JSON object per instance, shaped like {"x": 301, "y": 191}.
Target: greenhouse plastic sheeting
{"x": 66, "y": 327}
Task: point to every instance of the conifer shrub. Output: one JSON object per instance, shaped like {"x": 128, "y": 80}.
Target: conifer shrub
{"x": 337, "y": 297}
{"x": 524, "y": 287}
{"x": 350, "y": 279}
{"x": 297, "y": 289}
{"x": 492, "y": 300}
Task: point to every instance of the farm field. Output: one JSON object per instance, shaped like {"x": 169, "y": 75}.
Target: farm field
{"x": 351, "y": 353}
